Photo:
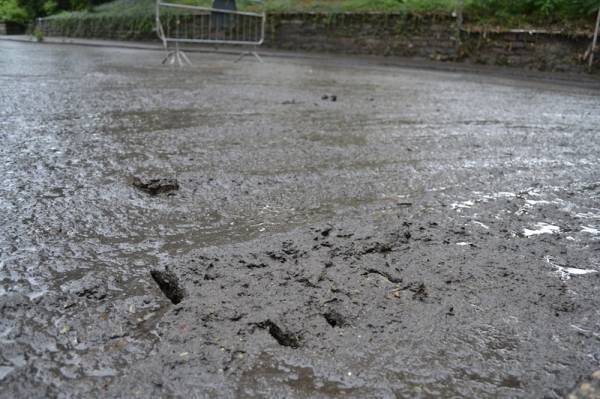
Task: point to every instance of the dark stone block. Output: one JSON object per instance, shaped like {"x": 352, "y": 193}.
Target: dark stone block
{"x": 11, "y": 28}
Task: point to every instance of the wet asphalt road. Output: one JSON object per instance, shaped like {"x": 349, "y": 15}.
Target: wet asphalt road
{"x": 427, "y": 233}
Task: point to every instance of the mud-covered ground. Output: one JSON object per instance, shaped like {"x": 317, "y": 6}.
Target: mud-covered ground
{"x": 425, "y": 234}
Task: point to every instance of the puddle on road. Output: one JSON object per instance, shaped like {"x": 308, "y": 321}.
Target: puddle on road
{"x": 567, "y": 272}
{"x": 541, "y": 228}
{"x": 5, "y": 371}
{"x": 590, "y": 230}
{"x": 270, "y": 377}
{"x": 123, "y": 122}
{"x": 337, "y": 140}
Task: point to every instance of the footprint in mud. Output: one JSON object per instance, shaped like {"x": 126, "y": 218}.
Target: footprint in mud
{"x": 156, "y": 186}
{"x": 419, "y": 291}
{"x": 169, "y": 284}
{"x": 335, "y": 319}
{"x": 283, "y": 337}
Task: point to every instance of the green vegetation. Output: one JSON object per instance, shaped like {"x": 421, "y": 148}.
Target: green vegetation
{"x": 22, "y": 11}
{"x": 496, "y": 12}
{"x": 117, "y": 8}
{"x": 38, "y": 35}
{"x": 361, "y": 5}
{"x": 11, "y": 11}
{"x": 532, "y": 12}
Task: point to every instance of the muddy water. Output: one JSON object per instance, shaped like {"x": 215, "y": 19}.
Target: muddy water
{"x": 426, "y": 234}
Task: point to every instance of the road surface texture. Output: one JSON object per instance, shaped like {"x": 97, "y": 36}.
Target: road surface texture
{"x": 323, "y": 228}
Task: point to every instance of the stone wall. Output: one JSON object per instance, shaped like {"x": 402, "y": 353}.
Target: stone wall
{"x": 391, "y": 34}
{"x": 437, "y": 38}
{"x": 11, "y": 28}
{"x": 544, "y": 51}
{"x": 378, "y": 34}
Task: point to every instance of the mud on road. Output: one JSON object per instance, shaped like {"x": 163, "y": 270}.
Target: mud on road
{"x": 225, "y": 231}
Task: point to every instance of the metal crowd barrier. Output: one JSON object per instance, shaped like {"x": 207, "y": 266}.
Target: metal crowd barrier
{"x": 594, "y": 41}
{"x": 216, "y": 22}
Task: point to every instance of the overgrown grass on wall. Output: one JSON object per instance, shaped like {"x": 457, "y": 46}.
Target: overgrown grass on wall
{"x": 134, "y": 19}
{"x": 475, "y": 9}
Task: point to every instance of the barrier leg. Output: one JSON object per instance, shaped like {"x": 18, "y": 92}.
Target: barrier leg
{"x": 185, "y": 58}
{"x": 593, "y": 48}
{"x": 177, "y": 56}
{"x": 253, "y": 53}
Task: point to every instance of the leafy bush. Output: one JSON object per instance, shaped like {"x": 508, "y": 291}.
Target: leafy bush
{"x": 49, "y": 7}
{"x": 38, "y": 35}
{"x": 11, "y": 11}
{"x": 534, "y": 9}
